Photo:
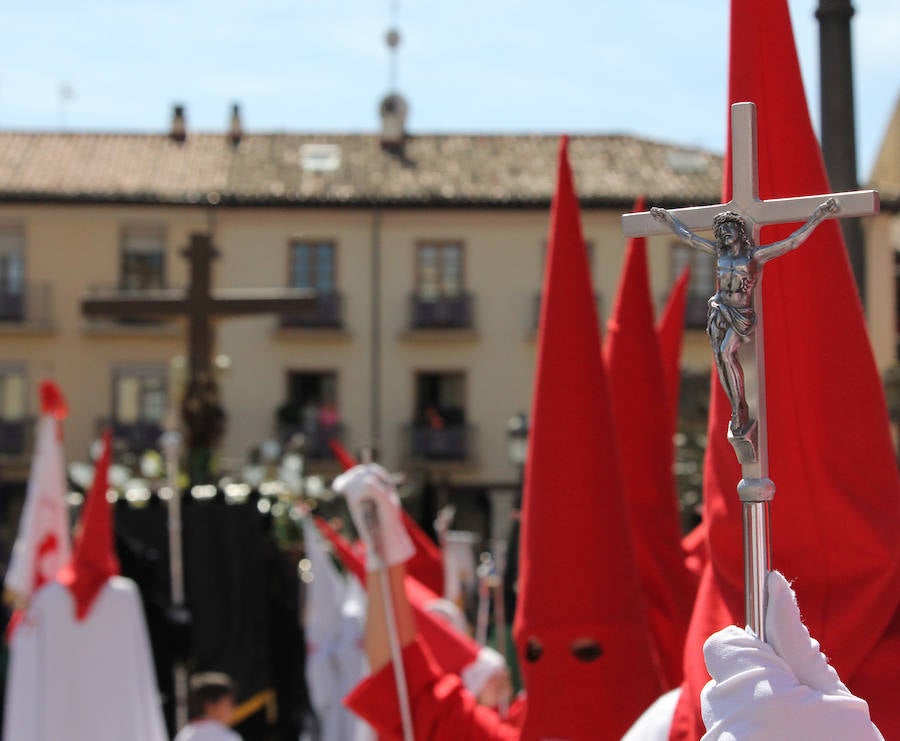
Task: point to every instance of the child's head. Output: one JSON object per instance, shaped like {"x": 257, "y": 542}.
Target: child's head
{"x": 211, "y": 696}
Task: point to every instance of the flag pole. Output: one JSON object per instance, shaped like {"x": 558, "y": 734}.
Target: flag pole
{"x": 171, "y": 445}
{"x": 500, "y": 615}
{"x": 373, "y": 525}
{"x": 485, "y": 573}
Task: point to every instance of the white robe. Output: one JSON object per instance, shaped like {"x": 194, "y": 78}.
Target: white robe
{"x": 83, "y": 681}
{"x": 335, "y": 618}
{"x": 656, "y": 721}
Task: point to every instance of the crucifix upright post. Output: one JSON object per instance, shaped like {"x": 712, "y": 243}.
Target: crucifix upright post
{"x": 199, "y": 304}
{"x": 200, "y": 254}
{"x": 736, "y": 319}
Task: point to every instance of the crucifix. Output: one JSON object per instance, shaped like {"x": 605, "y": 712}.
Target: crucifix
{"x": 200, "y": 305}
{"x": 735, "y": 318}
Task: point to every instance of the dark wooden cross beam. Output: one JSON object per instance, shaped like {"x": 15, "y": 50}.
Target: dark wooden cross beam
{"x": 199, "y": 304}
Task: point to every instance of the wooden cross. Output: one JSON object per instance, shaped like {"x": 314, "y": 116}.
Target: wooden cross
{"x": 199, "y": 304}
{"x": 755, "y": 490}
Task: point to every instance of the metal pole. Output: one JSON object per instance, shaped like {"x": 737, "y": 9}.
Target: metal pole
{"x": 500, "y": 616}
{"x": 373, "y": 525}
{"x": 171, "y": 445}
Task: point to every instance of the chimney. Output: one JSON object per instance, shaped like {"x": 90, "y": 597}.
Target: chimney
{"x": 178, "y": 132}
{"x": 393, "y": 110}
{"x": 236, "y": 128}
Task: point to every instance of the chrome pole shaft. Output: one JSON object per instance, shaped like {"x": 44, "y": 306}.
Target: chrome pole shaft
{"x": 757, "y": 563}
{"x": 756, "y": 494}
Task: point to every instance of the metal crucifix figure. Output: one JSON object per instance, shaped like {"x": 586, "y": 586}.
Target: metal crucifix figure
{"x": 732, "y": 315}
{"x": 735, "y": 319}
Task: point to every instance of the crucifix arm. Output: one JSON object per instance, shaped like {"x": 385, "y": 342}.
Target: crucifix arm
{"x": 777, "y": 249}
{"x": 681, "y": 231}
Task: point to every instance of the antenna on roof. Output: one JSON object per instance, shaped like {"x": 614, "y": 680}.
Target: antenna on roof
{"x": 392, "y": 39}
{"x": 66, "y": 96}
{"x": 393, "y": 108}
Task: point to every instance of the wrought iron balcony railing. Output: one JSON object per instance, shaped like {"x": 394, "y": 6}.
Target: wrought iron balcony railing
{"x": 451, "y": 442}
{"x": 442, "y": 312}
{"x": 132, "y": 438}
{"x": 16, "y": 437}
{"x": 315, "y": 438}
{"x": 326, "y": 312}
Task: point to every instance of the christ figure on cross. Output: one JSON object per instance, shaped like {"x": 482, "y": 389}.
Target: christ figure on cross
{"x": 732, "y": 317}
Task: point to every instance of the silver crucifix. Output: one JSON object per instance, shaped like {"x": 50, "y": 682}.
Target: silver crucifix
{"x": 735, "y": 318}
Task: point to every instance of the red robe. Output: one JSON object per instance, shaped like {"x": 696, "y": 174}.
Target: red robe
{"x": 442, "y": 709}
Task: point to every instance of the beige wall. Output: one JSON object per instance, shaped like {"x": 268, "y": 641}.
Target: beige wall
{"x": 882, "y": 242}
{"x": 75, "y": 247}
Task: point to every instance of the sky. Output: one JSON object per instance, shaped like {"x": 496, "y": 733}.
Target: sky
{"x": 653, "y": 68}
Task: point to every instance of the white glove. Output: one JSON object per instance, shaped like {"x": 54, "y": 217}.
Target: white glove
{"x": 783, "y": 690}
{"x": 375, "y": 508}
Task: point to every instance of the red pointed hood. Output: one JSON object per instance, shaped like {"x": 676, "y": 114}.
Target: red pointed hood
{"x": 639, "y": 402}
{"x": 670, "y": 333}
{"x": 452, "y": 649}
{"x": 836, "y": 515}
{"x": 577, "y": 576}
{"x": 94, "y": 561}
{"x": 53, "y": 403}
{"x": 427, "y": 565}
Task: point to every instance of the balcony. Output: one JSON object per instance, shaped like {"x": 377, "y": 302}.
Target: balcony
{"x": 132, "y": 438}
{"x": 315, "y": 438}
{"x": 442, "y": 312}
{"x": 452, "y": 442}
{"x": 326, "y": 312}
{"x": 16, "y": 437}
{"x": 30, "y": 304}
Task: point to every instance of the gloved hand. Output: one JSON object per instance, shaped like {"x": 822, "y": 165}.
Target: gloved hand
{"x": 375, "y": 508}
{"x": 781, "y": 690}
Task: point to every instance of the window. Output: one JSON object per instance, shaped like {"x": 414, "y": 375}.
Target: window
{"x": 143, "y": 258}
{"x": 311, "y": 410}
{"x": 12, "y": 273}
{"x": 440, "y": 399}
{"x": 703, "y": 269}
{"x": 702, "y": 283}
{"x": 140, "y": 395}
{"x": 312, "y": 265}
{"x": 14, "y": 425}
{"x": 12, "y": 393}
{"x": 439, "y": 270}
{"x": 439, "y": 430}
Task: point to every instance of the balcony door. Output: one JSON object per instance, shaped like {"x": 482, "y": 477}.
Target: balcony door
{"x": 439, "y": 270}
{"x": 142, "y": 265}
{"x": 13, "y": 406}
{"x": 702, "y": 283}
{"x": 12, "y": 274}
{"x": 439, "y": 429}
{"x": 140, "y": 403}
{"x": 312, "y": 266}
{"x": 311, "y": 410}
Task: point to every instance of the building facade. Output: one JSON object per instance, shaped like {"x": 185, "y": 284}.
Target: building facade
{"x": 425, "y": 254}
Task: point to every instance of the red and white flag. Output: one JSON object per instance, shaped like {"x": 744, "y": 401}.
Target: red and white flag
{"x": 42, "y": 546}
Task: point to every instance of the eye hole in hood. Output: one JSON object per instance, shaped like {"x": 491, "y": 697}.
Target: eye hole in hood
{"x": 533, "y": 650}
{"x": 586, "y": 649}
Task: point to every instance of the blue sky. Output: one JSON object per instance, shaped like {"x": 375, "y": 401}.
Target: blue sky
{"x": 647, "y": 67}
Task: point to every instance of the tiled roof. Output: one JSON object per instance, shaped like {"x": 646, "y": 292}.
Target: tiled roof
{"x": 265, "y": 169}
